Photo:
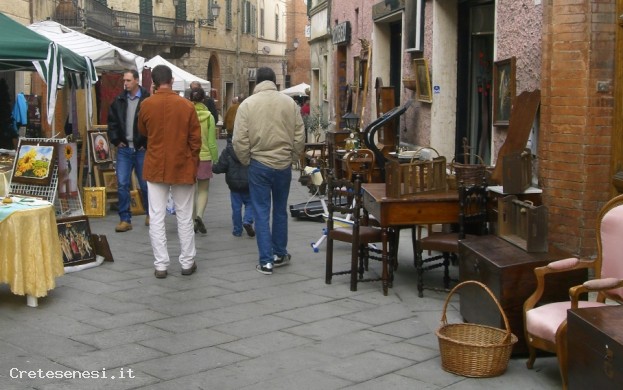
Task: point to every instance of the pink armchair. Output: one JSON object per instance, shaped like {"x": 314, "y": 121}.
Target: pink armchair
{"x": 546, "y": 326}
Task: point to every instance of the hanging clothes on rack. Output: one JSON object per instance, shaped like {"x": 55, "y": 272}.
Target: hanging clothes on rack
{"x": 20, "y": 112}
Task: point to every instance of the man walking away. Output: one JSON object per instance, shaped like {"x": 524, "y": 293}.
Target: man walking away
{"x": 269, "y": 136}
{"x": 172, "y": 128}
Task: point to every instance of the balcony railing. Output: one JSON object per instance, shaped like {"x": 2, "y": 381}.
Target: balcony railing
{"x": 127, "y": 26}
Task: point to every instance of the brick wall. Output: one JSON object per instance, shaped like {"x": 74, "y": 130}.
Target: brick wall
{"x": 576, "y": 119}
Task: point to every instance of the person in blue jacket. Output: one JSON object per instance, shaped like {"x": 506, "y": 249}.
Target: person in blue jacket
{"x": 236, "y": 176}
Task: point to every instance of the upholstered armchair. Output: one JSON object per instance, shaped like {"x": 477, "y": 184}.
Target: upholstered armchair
{"x": 545, "y": 326}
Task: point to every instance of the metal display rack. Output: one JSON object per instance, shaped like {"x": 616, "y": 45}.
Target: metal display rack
{"x": 64, "y": 207}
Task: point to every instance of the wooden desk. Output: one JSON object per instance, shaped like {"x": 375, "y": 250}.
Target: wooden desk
{"x": 422, "y": 209}
{"x": 30, "y": 253}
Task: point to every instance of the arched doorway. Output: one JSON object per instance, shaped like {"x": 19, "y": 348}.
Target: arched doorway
{"x": 214, "y": 76}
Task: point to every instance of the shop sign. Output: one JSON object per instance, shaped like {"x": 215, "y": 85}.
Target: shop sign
{"x": 341, "y": 33}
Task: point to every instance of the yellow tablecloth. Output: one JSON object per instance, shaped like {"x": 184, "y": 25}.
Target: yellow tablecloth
{"x": 5, "y": 180}
{"x": 30, "y": 251}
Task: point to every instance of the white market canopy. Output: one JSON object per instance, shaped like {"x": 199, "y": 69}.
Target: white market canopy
{"x": 297, "y": 90}
{"x": 181, "y": 78}
{"x": 105, "y": 56}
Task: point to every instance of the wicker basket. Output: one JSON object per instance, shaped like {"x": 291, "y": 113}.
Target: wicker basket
{"x": 474, "y": 350}
{"x": 468, "y": 174}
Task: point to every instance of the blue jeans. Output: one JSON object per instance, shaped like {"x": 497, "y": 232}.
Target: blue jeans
{"x": 127, "y": 160}
{"x": 237, "y": 200}
{"x": 266, "y": 183}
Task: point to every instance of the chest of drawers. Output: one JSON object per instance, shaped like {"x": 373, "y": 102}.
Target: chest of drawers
{"x": 508, "y": 272}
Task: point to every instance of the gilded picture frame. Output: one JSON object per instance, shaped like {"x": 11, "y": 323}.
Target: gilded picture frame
{"x": 74, "y": 234}
{"x": 95, "y": 201}
{"x": 136, "y": 203}
{"x": 422, "y": 80}
{"x": 504, "y": 90}
{"x": 108, "y": 179}
{"x": 34, "y": 163}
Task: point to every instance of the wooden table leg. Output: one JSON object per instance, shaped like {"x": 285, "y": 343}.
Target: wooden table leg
{"x": 385, "y": 263}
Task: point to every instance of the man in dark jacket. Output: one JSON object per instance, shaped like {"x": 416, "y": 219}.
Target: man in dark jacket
{"x": 131, "y": 145}
{"x": 236, "y": 177}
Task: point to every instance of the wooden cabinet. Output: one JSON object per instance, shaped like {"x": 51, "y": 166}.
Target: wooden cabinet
{"x": 508, "y": 272}
{"x": 595, "y": 348}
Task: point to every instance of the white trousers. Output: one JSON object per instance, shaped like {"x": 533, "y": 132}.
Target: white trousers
{"x": 183, "y": 196}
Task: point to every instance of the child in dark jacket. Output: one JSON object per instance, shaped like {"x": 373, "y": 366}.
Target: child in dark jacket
{"x": 237, "y": 180}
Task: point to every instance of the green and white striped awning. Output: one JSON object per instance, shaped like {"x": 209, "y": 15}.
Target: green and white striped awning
{"x": 24, "y": 49}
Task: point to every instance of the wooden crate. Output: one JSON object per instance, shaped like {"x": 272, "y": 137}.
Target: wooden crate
{"x": 517, "y": 172}
{"x": 523, "y": 224}
{"x": 415, "y": 177}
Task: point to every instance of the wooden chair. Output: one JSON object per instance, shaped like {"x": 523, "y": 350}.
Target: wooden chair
{"x": 361, "y": 162}
{"x": 472, "y": 219}
{"x": 545, "y": 326}
{"x": 313, "y": 155}
{"x": 345, "y": 199}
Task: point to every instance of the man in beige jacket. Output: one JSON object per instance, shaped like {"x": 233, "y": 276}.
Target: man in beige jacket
{"x": 269, "y": 136}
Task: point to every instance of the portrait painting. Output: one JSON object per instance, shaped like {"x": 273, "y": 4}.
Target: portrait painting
{"x": 100, "y": 147}
{"x": 35, "y": 163}
{"x": 503, "y": 90}
{"x": 67, "y": 170}
{"x": 74, "y": 234}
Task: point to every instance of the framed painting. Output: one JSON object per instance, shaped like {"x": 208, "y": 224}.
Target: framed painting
{"x": 95, "y": 201}
{"x": 100, "y": 146}
{"x": 74, "y": 234}
{"x": 422, "y": 80}
{"x": 108, "y": 179}
{"x": 67, "y": 170}
{"x": 35, "y": 162}
{"x": 136, "y": 203}
{"x": 503, "y": 90}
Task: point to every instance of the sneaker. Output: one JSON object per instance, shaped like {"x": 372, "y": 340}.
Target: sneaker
{"x": 266, "y": 269}
{"x": 200, "y": 226}
{"x": 123, "y": 226}
{"x": 147, "y": 220}
{"x": 280, "y": 261}
{"x": 249, "y": 228}
{"x": 191, "y": 270}
{"x": 160, "y": 274}
{"x": 236, "y": 234}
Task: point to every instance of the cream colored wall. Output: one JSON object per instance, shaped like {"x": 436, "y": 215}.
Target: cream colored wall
{"x": 444, "y": 60}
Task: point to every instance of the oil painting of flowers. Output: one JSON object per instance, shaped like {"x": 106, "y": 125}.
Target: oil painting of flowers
{"x": 35, "y": 162}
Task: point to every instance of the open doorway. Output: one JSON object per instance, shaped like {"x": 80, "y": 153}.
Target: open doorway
{"x": 474, "y": 71}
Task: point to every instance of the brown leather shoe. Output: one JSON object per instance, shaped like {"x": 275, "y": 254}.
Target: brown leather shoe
{"x": 191, "y": 270}
{"x": 147, "y": 220}
{"x": 160, "y": 274}
{"x": 123, "y": 226}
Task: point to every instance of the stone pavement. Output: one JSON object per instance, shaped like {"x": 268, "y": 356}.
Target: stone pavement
{"x": 230, "y": 327}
